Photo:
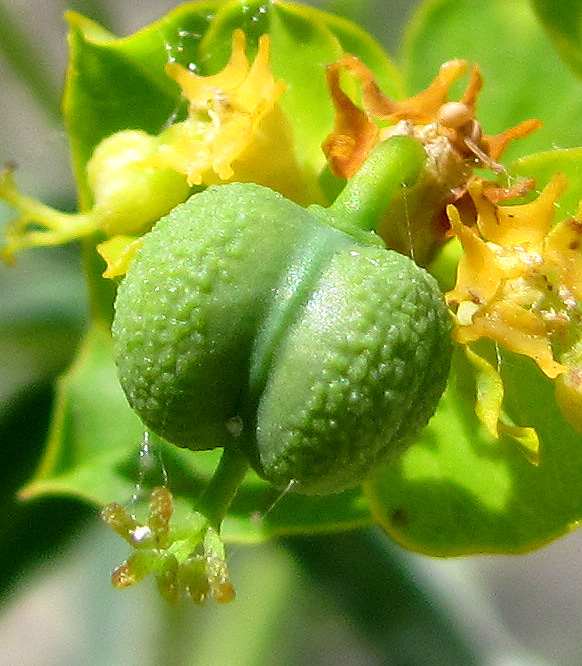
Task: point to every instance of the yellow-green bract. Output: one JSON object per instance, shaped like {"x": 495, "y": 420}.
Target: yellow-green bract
{"x": 248, "y": 321}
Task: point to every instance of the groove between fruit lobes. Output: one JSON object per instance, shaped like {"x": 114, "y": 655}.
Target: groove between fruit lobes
{"x": 242, "y": 307}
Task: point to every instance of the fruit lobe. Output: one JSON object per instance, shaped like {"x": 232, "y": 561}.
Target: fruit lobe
{"x": 359, "y": 374}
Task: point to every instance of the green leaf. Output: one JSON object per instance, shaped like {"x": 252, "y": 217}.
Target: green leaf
{"x": 461, "y": 491}
{"x": 523, "y": 76}
{"x": 353, "y": 39}
{"x": 563, "y": 21}
{"x": 542, "y": 166}
{"x": 90, "y": 429}
{"x": 96, "y": 452}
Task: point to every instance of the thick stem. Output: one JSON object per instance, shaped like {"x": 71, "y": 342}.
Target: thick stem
{"x": 395, "y": 164}
{"x": 222, "y": 487}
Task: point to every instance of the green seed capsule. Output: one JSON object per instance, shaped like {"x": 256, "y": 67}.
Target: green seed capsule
{"x": 248, "y": 321}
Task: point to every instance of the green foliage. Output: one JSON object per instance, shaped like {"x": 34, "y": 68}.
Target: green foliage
{"x": 460, "y": 491}
{"x": 484, "y": 491}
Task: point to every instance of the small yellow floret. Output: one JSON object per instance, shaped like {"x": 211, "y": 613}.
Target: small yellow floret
{"x": 225, "y": 111}
{"x": 519, "y": 279}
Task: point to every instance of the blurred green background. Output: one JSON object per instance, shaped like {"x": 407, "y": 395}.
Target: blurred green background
{"x": 353, "y": 599}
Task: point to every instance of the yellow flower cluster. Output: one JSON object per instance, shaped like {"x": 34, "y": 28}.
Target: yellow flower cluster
{"x": 519, "y": 283}
{"x": 519, "y": 280}
{"x": 453, "y": 139}
{"x": 225, "y": 111}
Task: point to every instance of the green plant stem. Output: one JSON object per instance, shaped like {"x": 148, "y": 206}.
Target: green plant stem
{"x": 19, "y": 50}
{"x": 394, "y": 165}
{"x": 222, "y": 487}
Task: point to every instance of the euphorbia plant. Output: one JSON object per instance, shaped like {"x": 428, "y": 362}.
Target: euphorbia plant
{"x": 272, "y": 205}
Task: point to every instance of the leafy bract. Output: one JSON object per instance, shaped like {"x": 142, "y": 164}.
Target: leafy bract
{"x": 461, "y": 491}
